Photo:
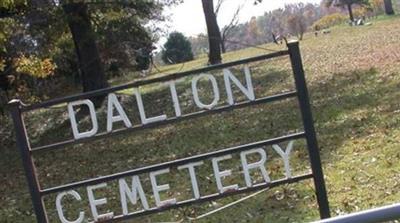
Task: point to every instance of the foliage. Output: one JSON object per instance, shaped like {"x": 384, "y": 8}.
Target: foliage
{"x": 377, "y": 6}
{"x": 2, "y": 64}
{"x": 292, "y": 19}
{"x": 35, "y": 67}
{"x": 121, "y": 32}
{"x": 199, "y": 44}
{"x": 253, "y": 32}
{"x": 11, "y": 7}
{"x": 329, "y": 20}
{"x": 64, "y": 56}
{"x": 342, "y": 3}
{"x": 177, "y": 49}
{"x": 39, "y": 36}
{"x": 143, "y": 58}
{"x": 347, "y": 4}
{"x": 361, "y": 12}
{"x": 297, "y": 21}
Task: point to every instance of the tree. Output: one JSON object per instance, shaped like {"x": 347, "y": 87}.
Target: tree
{"x": 259, "y": 30}
{"x": 23, "y": 58}
{"x": 77, "y": 35}
{"x": 227, "y": 30}
{"x": 199, "y": 44}
{"x": 388, "y": 7}
{"x": 298, "y": 17}
{"x": 296, "y": 25}
{"x": 214, "y": 35}
{"x": 124, "y": 34}
{"x": 253, "y": 34}
{"x": 348, "y": 4}
{"x": 92, "y": 70}
{"x": 177, "y": 49}
{"x": 114, "y": 31}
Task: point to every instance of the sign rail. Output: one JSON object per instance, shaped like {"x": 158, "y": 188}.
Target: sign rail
{"x": 175, "y": 163}
{"x": 172, "y": 120}
{"x": 17, "y": 109}
{"x": 139, "y": 83}
{"x": 214, "y": 197}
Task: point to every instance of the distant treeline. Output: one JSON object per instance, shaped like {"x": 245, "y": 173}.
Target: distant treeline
{"x": 292, "y": 20}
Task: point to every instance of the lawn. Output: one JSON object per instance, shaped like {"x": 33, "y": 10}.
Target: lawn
{"x": 353, "y": 76}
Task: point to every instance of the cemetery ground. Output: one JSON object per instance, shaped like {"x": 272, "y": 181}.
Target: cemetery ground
{"x": 353, "y": 76}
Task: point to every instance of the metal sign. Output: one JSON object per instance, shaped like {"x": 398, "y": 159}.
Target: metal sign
{"x": 130, "y": 184}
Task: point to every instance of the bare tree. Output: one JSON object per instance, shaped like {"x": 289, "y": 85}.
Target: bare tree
{"x": 227, "y": 30}
{"x": 297, "y": 19}
{"x": 218, "y": 6}
{"x": 214, "y": 35}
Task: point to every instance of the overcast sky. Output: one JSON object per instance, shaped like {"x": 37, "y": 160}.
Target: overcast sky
{"x": 188, "y": 17}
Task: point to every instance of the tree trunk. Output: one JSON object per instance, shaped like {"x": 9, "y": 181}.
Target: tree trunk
{"x": 350, "y": 12}
{"x": 214, "y": 35}
{"x": 223, "y": 47}
{"x": 301, "y": 35}
{"x": 91, "y": 67}
{"x": 389, "y": 7}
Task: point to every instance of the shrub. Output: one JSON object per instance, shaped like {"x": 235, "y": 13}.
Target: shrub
{"x": 329, "y": 20}
{"x": 177, "y": 49}
{"x": 361, "y": 12}
{"x": 377, "y": 6}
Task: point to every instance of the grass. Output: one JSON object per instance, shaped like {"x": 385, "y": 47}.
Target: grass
{"x": 353, "y": 76}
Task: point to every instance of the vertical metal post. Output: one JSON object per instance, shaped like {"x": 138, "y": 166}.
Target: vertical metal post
{"x": 29, "y": 166}
{"x": 312, "y": 145}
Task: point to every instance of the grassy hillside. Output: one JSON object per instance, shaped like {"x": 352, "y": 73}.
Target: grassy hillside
{"x": 353, "y": 76}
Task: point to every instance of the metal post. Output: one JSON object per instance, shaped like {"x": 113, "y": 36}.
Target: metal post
{"x": 312, "y": 145}
{"x": 29, "y": 166}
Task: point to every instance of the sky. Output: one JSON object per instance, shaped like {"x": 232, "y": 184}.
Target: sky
{"x": 188, "y": 17}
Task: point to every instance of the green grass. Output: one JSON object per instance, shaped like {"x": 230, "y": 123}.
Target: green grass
{"x": 353, "y": 76}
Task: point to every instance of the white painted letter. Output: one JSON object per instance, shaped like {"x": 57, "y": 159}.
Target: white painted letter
{"x": 175, "y": 99}
{"x": 60, "y": 207}
{"x": 285, "y": 156}
{"x": 72, "y": 118}
{"x": 93, "y": 202}
{"x": 260, "y": 164}
{"x": 193, "y": 179}
{"x": 158, "y": 188}
{"x": 218, "y": 174}
{"x": 196, "y": 93}
{"x": 141, "y": 110}
{"x": 113, "y": 102}
{"x": 249, "y": 92}
{"x": 132, "y": 194}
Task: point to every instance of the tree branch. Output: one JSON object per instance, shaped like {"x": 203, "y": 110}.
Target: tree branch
{"x": 233, "y": 23}
{"x": 218, "y": 7}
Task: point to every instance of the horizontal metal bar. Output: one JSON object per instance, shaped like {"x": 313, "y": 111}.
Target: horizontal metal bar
{"x": 168, "y": 121}
{"x": 211, "y": 197}
{"x": 381, "y": 214}
{"x": 139, "y": 83}
{"x": 174, "y": 163}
